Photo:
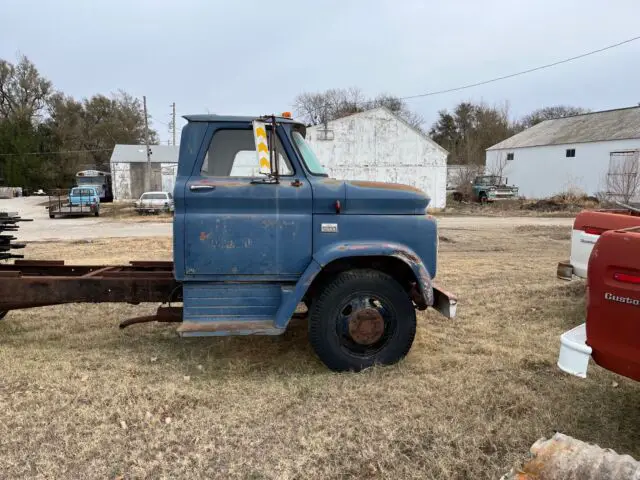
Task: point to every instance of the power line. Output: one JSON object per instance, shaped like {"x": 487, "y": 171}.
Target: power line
{"x": 503, "y": 77}
{"x": 62, "y": 152}
{"x": 523, "y": 72}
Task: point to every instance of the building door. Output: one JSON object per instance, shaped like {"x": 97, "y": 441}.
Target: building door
{"x": 623, "y": 177}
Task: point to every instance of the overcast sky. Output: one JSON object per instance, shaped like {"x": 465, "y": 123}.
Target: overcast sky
{"x": 250, "y": 57}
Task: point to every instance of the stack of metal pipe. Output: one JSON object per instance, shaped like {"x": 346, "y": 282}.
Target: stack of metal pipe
{"x": 9, "y": 223}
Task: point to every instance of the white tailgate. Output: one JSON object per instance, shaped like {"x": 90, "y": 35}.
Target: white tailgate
{"x": 581, "y": 245}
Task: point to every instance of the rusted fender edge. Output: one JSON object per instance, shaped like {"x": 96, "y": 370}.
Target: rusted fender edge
{"x": 423, "y": 294}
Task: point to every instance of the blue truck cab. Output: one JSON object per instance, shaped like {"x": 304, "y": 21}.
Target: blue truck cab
{"x": 85, "y": 196}
{"x": 260, "y": 228}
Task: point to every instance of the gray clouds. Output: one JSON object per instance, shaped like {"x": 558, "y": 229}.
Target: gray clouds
{"x": 233, "y": 57}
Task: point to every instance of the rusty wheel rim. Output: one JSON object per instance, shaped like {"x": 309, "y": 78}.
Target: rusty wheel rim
{"x": 365, "y": 324}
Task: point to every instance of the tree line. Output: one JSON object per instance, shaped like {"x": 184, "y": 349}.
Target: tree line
{"x": 47, "y": 136}
{"x": 465, "y": 132}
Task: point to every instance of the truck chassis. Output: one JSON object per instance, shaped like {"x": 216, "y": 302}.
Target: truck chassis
{"x": 27, "y": 284}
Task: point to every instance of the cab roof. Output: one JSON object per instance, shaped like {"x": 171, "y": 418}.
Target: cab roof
{"x": 234, "y": 118}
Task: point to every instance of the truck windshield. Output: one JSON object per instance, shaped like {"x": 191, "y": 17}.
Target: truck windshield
{"x": 488, "y": 181}
{"x": 77, "y": 192}
{"x": 308, "y": 155}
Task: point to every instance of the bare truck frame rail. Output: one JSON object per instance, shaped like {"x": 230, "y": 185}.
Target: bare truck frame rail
{"x": 27, "y": 284}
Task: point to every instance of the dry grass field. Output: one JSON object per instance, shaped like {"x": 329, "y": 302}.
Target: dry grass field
{"x": 124, "y": 212}
{"x": 81, "y": 399}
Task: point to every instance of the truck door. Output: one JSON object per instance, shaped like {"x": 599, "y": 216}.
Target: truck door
{"x": 237, "y": 226}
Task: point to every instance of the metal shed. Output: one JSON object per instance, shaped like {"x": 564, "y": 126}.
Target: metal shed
{"x": 129, "y": 169}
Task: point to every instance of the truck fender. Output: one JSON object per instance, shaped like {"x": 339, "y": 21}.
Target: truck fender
{"x": 293, "y": 295}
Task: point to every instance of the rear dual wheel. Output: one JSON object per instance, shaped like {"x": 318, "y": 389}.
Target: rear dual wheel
{"x": 361, "y": 318}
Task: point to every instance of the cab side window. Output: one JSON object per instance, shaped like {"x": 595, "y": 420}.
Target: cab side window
{"x": 232, "y": 153}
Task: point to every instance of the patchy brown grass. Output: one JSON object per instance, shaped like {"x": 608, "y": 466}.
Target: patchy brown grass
{"x": 81, "y": 399}
{"x": 561, "y": 205}
{"x": 124, "y": 211}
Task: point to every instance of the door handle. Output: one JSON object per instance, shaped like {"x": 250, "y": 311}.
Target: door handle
{"x": 199, "y": 188}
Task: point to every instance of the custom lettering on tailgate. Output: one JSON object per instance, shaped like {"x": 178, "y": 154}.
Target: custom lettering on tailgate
{"x": 618, "y": 299}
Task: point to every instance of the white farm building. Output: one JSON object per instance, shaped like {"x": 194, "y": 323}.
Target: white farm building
{"x": 594, "y": 153}
{"x": 377, "y": 145}
{"x": 129, "y": 169}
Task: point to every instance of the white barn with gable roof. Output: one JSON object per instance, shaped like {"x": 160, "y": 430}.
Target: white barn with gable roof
{"x": 582, "y": 152}
{"x": 378, "y": 145}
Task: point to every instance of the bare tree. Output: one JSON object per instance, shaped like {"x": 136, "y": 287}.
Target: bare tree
{"x": 463, "y": 178}
{"x": 550, "y": 113}
{"x": 623, "y": 179}
{"x": 499, "y": 167}
{"x": 322, "y": 107}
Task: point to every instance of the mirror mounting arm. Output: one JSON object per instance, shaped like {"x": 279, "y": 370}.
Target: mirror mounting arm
{"x": 275, "y": 174}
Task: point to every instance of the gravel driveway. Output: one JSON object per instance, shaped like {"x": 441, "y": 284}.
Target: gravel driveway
{"x": 43, "y": 228}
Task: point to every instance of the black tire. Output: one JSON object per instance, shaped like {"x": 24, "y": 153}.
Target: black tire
{"x": 51, "y": 215}
{"x": 483, "y": 198}
{"x": 370, "y": 298}
{"x": 97, "y": 214}
{"x": 3, "y": 314}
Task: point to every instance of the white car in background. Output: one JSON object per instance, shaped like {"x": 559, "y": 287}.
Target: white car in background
{"x": 155, "y": 202}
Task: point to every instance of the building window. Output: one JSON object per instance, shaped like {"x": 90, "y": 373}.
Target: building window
{"x": 325, "y": 134}
{"x": 571, "y": 152}
{"x": 509, "y": 156}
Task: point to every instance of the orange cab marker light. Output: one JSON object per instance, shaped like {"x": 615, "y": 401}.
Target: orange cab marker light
{"x": 286, "y": 114}
{"x": 626, "y": 278}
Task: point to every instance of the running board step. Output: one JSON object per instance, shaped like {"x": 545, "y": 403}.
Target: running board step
{"x": 255, "y": 326}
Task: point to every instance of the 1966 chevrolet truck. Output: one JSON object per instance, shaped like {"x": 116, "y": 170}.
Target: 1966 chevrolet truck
{"x": 259, "y": 229}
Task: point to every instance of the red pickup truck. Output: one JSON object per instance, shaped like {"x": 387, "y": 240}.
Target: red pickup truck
{"x": 611, "y": 334}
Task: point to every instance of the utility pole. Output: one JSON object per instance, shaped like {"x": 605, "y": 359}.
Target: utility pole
{"x": 147, "y": 180}
{"x": 173, "y": 122}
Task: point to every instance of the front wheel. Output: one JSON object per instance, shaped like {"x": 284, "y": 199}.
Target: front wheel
{"x": 361, "y": 318}
{"x": 483, "y": 198}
